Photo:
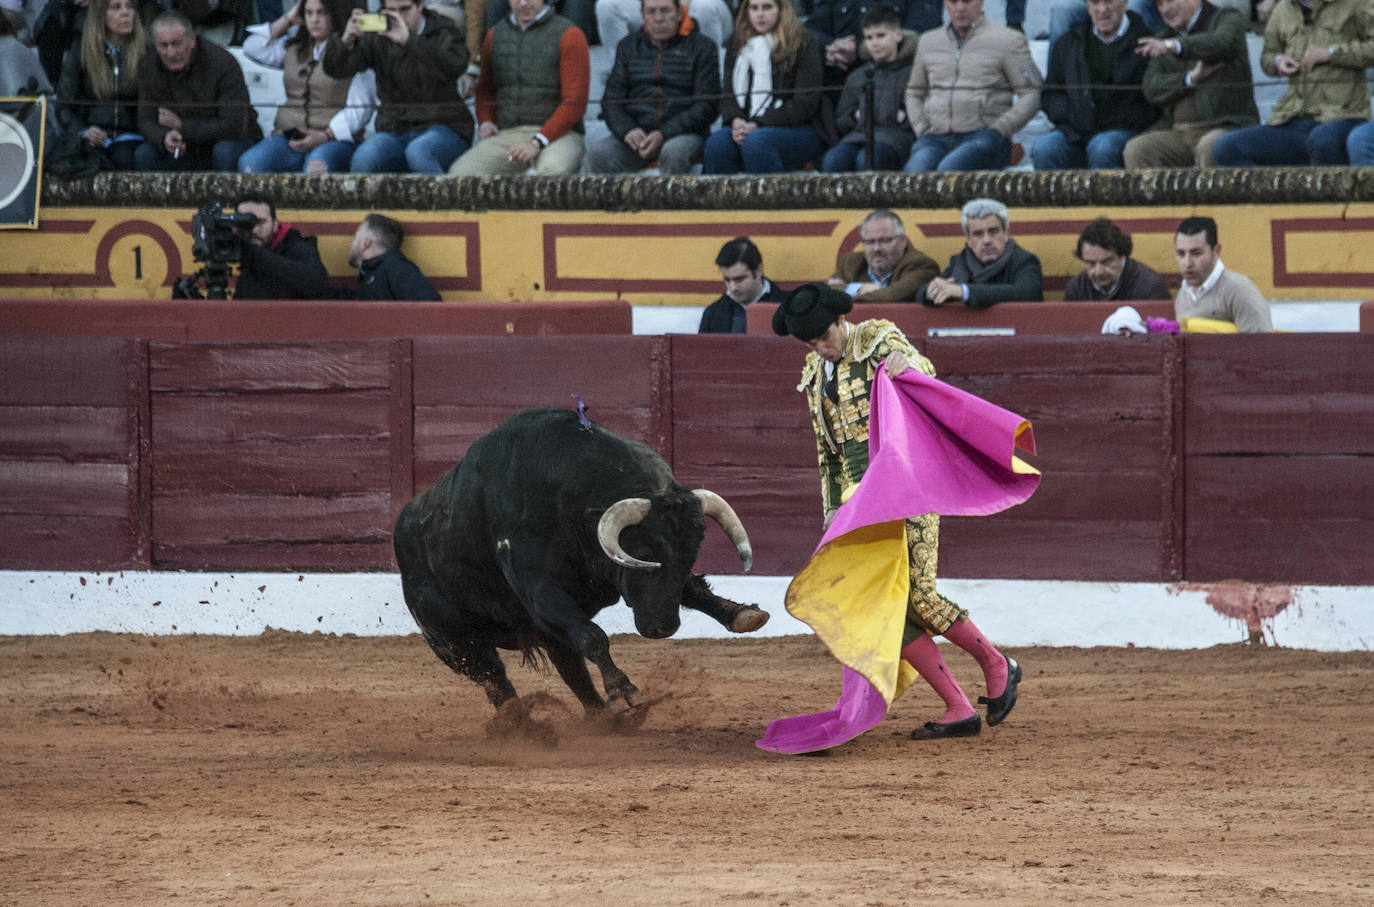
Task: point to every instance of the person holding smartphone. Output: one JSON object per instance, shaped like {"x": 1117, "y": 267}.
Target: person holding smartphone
{"x": 322, "y": 117}
{"x": 422, "y": 124}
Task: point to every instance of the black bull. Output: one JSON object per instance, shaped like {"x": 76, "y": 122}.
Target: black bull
{"x": 545, "y": 522}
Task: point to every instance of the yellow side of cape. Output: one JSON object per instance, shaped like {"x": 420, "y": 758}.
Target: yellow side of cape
{"x": 854, "y": 593}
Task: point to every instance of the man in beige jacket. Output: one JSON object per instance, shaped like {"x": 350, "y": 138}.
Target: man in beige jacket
{"x": 960, "y": 96}
{"x": 1210, "y": 289}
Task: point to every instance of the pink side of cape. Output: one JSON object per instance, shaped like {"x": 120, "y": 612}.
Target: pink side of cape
{"x": 932, "y": 449}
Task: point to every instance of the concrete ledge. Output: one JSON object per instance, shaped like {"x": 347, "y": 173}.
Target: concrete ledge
{"x": 1188, "y": 188}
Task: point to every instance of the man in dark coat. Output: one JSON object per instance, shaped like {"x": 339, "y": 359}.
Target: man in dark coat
{"x": 278, "y": 261}
{"x": 1092, "y": 91}
{"x": 741, "y": 267}
{"x": 991, "y": 268}
{"x": 422, "y": 125}
{"x": 383, "y": 271}
{"x": 660, "y": 95}
{"x": 1109, "y": 272}
{"x": 193, "y": 106}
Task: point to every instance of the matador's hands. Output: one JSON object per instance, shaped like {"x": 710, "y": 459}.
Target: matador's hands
{"x": 896, "y": 363}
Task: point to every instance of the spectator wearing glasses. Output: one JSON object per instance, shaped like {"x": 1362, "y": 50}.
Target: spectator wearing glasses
{"x": 889, "y": 269}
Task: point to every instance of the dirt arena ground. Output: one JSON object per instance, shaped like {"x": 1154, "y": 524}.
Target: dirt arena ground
{"x": 300, "y": 769}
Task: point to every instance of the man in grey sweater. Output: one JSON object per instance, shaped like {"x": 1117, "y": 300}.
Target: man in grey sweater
{"x": 1210, "y": 289}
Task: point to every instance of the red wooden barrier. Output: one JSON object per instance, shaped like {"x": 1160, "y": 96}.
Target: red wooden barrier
{"x": 218, "y": 319}
{"x": 1165, "y": 457}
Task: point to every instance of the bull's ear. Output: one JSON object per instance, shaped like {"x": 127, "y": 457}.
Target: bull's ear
{"x": 714, "y": 506}
{"x": 623, "y": 513}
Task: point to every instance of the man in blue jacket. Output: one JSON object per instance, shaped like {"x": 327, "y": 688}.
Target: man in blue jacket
{"x": 660, "y": 95}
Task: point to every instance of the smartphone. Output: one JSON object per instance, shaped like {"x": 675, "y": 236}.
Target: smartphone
{"x": 293, "y": 133}
{"x": 373, "y": 22}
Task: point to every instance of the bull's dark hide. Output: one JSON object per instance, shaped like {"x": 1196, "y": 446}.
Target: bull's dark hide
{"x": 545, "y": 522}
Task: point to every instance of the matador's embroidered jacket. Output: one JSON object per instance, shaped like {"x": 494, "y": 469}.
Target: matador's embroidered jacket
{"x": 841, "y": 424}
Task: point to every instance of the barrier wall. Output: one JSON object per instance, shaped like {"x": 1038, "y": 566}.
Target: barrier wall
{"x": 1165, "y": 457}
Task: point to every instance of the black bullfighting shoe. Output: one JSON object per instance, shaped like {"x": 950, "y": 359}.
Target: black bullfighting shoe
{"x": 933, "y": 730}
{"x": 999, "y": 707}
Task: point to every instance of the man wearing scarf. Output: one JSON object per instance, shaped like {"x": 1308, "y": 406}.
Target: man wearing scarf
{"x": 991, "y": 268}
{"x": 278, "y": 261}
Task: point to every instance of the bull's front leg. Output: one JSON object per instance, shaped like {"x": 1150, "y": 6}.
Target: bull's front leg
{"x": 560, "y": 617}
{"x": 733, "y": 616}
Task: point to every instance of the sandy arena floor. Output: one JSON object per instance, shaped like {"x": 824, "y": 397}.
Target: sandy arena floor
{"x": 294, "y": 769}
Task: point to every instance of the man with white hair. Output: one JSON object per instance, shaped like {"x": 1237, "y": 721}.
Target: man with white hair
{"x": 991, "y": 268}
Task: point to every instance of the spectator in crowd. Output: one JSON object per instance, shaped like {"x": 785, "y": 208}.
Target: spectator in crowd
{"x": 1109, "y": 272}
{"x": 1092, "y": 93}
{"x": 889, "y": 269}
{"x": 98, "y": 93}
{"x": 531, "y": 95}
{"x": 1323, "y": 49}
{"x": 422, "y": 125}
{"x": 838, "y": 26}
{"x": 616, "y": 19}
{"x": 741, "y": 267}
{"x": 383, "y": 271}
{"x": 193, "y": 106}
{"x": 1064, "y": 14}
{"x": 21, "y": 75}
{"x": 1199, "y": 78}
{"x": 51, "y": 27}
{"x": 892, "y": 51}
{"x": 323, "y": 117}
{"x": 278, "y": 262}
{"x": 659, "y": 100}
{"x": 1210, "y": 289}
{"x": 1360, "y": 145}
{"x": 991, "y": 268}
{"x": 959, "y": 99}
{"x": 582, "y": 13}
{"x": 775, "y": 117}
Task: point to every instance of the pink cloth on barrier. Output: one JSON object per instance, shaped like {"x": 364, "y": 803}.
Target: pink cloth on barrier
{"x": 932, "y": 449}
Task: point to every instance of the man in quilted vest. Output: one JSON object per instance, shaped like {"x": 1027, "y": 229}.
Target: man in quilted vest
{"x": 531, "y": 95}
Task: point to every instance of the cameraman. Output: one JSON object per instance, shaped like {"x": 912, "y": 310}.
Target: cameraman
{"x": 277, "y": 261}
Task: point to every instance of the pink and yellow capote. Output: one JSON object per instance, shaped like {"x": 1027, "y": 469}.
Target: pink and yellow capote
{"x": 932, "y": 449}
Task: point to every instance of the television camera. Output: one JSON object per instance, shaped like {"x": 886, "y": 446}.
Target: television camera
{"x": 217, "y": 238}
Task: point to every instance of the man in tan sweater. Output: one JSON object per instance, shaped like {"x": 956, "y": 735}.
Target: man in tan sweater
{"x": 1210, "y": 289}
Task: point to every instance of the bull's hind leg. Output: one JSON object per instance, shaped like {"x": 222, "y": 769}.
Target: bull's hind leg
{"x": 476, "y": 661}
{"x": 733, "y": 616}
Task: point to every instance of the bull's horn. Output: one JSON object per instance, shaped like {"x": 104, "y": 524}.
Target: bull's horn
{"x": 625, "y": 512}
{"x": 714, "y": 506}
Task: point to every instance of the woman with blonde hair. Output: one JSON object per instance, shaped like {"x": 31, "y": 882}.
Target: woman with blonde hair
{"x": 98, "y": 93}
{"x": 774, "y": 112}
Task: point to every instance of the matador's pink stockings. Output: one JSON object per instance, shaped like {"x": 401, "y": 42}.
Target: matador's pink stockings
{"x": 925, "y": 657}
{"x": 968, "y": 637}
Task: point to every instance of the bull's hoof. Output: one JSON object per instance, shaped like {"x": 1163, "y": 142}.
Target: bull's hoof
{"x": 624, "y": 700}
{"x": 625, "y": 721}
{"x": 749, "y": 619}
